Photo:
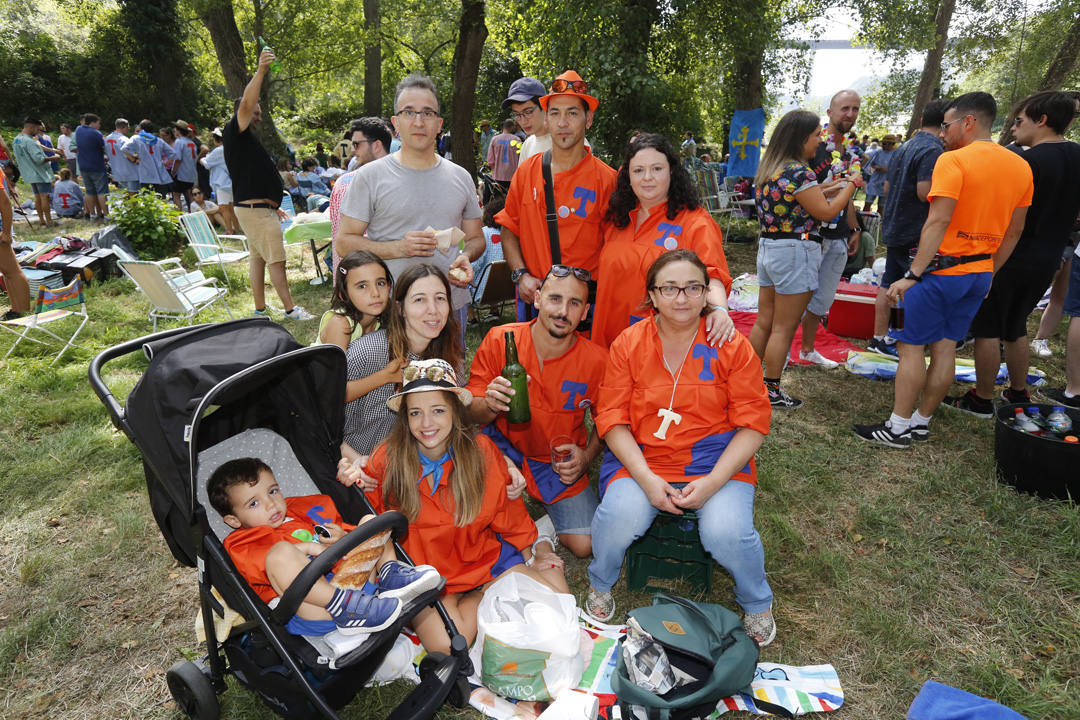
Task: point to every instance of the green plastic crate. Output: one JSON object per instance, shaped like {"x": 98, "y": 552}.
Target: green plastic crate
{"x": 669, "y": 552}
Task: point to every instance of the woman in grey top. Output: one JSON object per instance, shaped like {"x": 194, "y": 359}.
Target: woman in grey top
{"x": 421, "y": 327}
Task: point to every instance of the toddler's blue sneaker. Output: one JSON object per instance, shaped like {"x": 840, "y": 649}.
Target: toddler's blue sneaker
{"x": 354, "y": 612}
{"x": 398, "y": 580}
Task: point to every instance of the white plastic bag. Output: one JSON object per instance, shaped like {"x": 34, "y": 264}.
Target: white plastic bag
{"x": 528, "y": 641}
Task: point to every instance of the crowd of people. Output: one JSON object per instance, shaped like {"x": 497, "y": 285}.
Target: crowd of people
{"x": 622, "y": 314}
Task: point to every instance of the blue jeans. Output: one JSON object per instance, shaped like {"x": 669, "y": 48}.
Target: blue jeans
{"x": 726, "y": 525}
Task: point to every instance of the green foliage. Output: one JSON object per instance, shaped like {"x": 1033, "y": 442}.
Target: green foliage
{"x": 148, "y": 222}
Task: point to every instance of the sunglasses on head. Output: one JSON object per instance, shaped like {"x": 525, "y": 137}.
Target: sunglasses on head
{"x": 576, "y": 86}
{"x": 562, "y": 271}
{"x": 434, "y": 373}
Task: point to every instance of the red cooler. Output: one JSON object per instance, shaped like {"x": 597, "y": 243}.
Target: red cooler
{"x": 852, "y": 311}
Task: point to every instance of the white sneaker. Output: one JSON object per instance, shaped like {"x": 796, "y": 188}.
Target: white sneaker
{"x": 299, "y": 313}
{"x": 545, "y": 527}
{"x": 1041, "y": 347}
{"x": 818, "y": 359}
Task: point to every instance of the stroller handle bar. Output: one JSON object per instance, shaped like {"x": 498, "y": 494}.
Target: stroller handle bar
{"x": 321, "y": 563}
{"x": 116, "y": 410}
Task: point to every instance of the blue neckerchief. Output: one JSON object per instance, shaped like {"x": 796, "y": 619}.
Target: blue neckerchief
{"x": 434, "y": 468}
{"x": 149, "y": 137}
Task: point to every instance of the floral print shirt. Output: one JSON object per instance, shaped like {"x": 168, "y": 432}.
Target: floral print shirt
{"x": 778, "y": 210}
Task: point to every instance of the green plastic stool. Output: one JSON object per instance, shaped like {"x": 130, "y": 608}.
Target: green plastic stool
{"x": 670, "y": 550}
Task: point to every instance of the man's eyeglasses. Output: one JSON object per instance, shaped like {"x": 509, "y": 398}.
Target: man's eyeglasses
{"x": 426, "y": 114}
{"x": 945, "y": 125}
{"x": 358, "y": 143}
{"x": 577, "y": 86}
{"x": 434, "y": 373}
{"x": 524, "y": 114}
{"x": 693, "y": 291}
{"x": 1018, "y": 120}
{"x": 561, "y": 271}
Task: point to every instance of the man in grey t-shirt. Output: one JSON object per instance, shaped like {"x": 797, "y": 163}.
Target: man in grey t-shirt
{"x": 392, "y": 201}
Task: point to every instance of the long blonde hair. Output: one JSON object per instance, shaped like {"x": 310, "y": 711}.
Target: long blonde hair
{"x": 400, "y": 490}
{"x": 786, "y": 144}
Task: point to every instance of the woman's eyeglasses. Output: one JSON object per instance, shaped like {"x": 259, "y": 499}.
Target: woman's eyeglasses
{"x": 671, "y": 292}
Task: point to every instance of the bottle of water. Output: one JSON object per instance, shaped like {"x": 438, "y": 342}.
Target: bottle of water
{"x": 1023, "y": 423}
{"x": 1059, "y": 422}
{"x": 1036, "y": 416}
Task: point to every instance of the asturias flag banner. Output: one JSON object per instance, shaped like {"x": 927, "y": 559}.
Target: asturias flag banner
{"x": 744, "y": 139}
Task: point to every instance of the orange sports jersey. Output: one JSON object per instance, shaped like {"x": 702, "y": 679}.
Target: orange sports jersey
{"x": 558, "y": 396}
{"x": 628, "y": 253}
{"x": 248, "y": 546}
{"x": 988, "y": 183}
{"x": 466, "y": 555}
{"x": 720, "y": 390}
{"x": 581, "y": 200}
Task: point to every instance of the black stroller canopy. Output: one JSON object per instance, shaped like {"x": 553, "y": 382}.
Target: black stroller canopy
{"x": 216, "y": 381}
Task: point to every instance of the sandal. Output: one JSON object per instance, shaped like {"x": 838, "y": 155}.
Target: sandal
{"x": 600, "y": 605}
{"x": 760, "y": 627}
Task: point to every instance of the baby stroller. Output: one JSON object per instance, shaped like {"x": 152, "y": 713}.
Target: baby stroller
{"x": 216, "y": 392}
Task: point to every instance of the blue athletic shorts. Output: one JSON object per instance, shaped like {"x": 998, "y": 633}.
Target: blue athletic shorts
{"x": 942, "y": 306}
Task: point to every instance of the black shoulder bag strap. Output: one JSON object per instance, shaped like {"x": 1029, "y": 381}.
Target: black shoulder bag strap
{"x": 552, "y": 218}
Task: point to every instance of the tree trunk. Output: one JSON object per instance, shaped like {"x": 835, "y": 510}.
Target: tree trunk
{"x": 1056, "y": 72}
{"x": 931, "y": 73}
{"x": 372, "y": 59}
{"x": 749, "y": 91}
{"x": 471, "y": 36}
{"x": 220, "y": 22}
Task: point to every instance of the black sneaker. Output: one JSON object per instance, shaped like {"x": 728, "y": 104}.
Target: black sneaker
{"x": 919, "y": 433}
{"x": 882, "y": 348}
{"x": 781, "y": 400}
{"x": 971, "y": 403}
{"x": 1058, "y": 396}
{"x": 882, "y": 434}
{"x": 10, "y": 315}
{"x": 1015, "y": 396}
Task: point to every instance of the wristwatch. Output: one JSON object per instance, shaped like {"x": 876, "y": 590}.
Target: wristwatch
{"x": 912, "y": 276}
{"x": 516, "y": 275}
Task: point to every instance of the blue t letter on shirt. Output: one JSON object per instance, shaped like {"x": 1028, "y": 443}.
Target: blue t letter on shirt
{"x": 573, "y": 389}
{"x": 706, "y": 352}
{"x": 586, "y": 196}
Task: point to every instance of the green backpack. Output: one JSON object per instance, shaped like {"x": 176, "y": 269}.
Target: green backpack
{"x": 703, "y": 640}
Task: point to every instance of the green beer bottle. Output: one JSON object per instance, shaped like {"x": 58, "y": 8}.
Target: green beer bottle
{"x": 274, "y": 66}
{"x": 519, "y": 381}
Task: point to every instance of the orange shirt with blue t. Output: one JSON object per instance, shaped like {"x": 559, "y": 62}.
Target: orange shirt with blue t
{"x": 719, "y": 390}
{"x": 248, "y": 546}
{"x": 988, "y": 183}
{"x": 465, "y": 556}
{"x": 559, "y": 393}
{"x": 581, "y": 200}
{"x": 628, "y": 252}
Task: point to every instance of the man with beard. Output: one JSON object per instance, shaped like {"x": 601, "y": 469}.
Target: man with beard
{"x": 565, "y": 372}
{"x": 837, "y": 157}
{"x": 257, "y": 194}
{"x": 369, "y": 139}
{"x": 581, "y": 184}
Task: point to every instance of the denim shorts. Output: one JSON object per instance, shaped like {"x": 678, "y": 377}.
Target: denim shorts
{"x": 941, "y": 307}
{"x": 97, "y": 183}
{"x": 573, "y": 515}
{"x": 41, "y": 188}
{"x": 833, "y": 259}
{"x": 789, "y": 264}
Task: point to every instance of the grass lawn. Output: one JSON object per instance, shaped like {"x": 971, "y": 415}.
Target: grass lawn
{"x": 896, "y": 567}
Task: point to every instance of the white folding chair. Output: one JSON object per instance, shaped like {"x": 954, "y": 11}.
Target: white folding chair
{"x": 173, "y": 292}
{"x": 206, "y": 242}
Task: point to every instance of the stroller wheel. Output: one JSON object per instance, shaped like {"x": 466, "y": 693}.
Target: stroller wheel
{"x": 193, "y": 691}
{"x": 459, "y": 689}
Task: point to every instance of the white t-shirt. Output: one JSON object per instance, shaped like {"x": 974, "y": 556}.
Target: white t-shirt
{"x": 207, "y": 206}
{"x": 62, "y": 144}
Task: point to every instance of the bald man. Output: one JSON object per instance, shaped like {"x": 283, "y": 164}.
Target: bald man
{"x": 839, "y": 236}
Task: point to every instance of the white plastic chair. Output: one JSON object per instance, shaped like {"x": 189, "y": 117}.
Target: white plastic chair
{"x": 207, "y": 244}
{"x": 173, "y": 292}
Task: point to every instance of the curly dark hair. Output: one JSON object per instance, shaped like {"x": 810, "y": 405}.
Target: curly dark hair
{"x": 682, "y": 194}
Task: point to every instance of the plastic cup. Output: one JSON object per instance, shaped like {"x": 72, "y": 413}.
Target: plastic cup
{"x": 560, "y": 456}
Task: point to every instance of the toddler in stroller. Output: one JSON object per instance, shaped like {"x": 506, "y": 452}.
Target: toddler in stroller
{"x": 274, "y": 537}
{"x": 248, "y": 389}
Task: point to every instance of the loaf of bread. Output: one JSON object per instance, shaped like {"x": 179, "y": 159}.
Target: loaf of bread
{"x": 353, "y": 569}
